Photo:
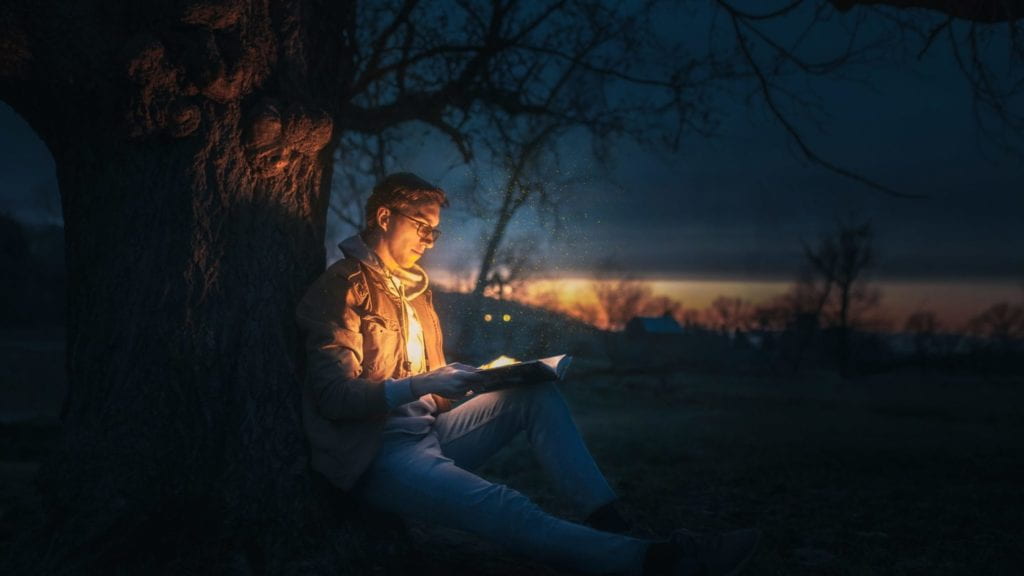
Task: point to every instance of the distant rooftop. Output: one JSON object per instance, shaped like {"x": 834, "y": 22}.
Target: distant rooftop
{"x": 654, "y": 325}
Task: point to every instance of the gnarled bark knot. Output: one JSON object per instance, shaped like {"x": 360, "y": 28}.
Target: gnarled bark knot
{"x": 159, "y": 101}
{"x": 214, "y": 55}
{"x": 216, "y": 15}
{"x": 275, "y": 138}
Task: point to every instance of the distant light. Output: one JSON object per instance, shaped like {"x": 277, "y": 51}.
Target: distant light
{"x": 488, "y": 317}
{"x": 507, "y": 317}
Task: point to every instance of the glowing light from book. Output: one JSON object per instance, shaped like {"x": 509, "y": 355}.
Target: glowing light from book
{"x": 507, "y": 318}
{"x": 487, "y": 317}
{"x": 499, "y": 361}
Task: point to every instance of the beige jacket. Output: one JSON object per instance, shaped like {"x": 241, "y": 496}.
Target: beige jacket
{"x": 355, "y": 339}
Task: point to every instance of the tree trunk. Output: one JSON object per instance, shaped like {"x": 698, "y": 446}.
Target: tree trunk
{"x": 470, "y": 330}
{"x": 193, "y": 151}
{"x": 491, "y": 251}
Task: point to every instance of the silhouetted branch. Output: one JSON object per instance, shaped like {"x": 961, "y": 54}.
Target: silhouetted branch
{"x": 768, "y": 95}
{"x": 933, "y": 34}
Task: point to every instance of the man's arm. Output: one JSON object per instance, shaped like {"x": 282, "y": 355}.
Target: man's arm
{"x": 334, "y": 349}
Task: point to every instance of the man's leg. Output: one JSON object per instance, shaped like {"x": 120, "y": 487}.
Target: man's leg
{"x": 411, "y": 477}
{"x": 475, "y": 430}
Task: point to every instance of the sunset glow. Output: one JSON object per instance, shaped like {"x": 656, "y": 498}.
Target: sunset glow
{"x": 954, "y": 301}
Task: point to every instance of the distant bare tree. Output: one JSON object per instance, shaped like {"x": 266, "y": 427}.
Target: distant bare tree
{"x": 924, "y": 326}
{"x": 839, "y": 261}
{"x": 1001, "y": 323}
{"x": 615, "y": 302}
{"x": 510, "y": 268}
{"x": 729, "y": 314}
{"x": 622, "y": 300}
{"x": 774, "y": 315}
{"x": 922, "y": 322}
{"x": 526, "y": 150}
{"x": 667, "y": 307}
{"x": 690, "y": 317}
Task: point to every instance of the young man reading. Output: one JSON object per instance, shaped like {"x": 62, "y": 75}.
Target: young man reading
{"x": 377, "y": 408}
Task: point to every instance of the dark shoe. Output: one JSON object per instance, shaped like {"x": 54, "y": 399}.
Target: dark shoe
{"x": 713, "y": 554}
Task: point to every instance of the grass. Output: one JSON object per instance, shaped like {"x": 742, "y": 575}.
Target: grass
{"x": 889, "y": 475}
{"x": 894, "y": 474}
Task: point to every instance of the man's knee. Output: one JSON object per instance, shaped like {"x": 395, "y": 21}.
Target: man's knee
{"x": 540, "y": 392}
{"x": 532, "y": 400}
{"x": 548, "y": 391}
{"x": 544, "y": 396}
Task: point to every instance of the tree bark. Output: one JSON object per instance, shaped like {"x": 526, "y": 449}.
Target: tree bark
{"x": 193, "y": 145}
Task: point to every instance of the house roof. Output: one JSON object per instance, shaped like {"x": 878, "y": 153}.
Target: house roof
{"x": 655, "y": 325}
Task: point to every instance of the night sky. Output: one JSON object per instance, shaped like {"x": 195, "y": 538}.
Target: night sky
{"x": 737, "y": 205}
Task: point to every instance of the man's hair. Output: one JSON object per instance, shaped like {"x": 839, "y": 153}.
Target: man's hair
{"x": 401, "y": 190}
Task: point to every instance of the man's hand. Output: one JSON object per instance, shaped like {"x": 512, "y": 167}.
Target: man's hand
{"x": 451, "y": 381}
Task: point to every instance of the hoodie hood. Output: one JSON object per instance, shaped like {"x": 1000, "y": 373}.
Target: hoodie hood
{"x": 414, "y": 279}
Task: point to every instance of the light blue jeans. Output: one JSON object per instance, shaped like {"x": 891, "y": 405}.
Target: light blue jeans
{"x": 428, "y": 477}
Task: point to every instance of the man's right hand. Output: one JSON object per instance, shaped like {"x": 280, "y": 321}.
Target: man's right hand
{"x": 451, "y": 381}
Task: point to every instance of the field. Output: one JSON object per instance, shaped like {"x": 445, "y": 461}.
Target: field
{"x": 890, "y": 475}
{"x": 893, "y": 474}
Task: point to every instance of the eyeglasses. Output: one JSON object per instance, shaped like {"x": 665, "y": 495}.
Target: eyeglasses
{"x": 425, "y": 231}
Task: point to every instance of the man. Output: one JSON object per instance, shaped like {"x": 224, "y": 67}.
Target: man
{"x": 378, "y": 411}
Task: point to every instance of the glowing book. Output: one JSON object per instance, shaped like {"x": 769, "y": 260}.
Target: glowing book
{"x": 505, "y": 372}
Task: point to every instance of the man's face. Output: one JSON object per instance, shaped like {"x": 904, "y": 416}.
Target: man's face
{"x": 402, "y": 240}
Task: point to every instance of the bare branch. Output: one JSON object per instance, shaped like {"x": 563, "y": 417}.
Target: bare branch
{"x": 377, "y": 46}
{"x": 944, "y": 25}
{"x": 768, "y": 94}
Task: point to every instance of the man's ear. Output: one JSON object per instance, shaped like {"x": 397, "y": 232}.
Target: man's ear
{"x": 383, "y": 217}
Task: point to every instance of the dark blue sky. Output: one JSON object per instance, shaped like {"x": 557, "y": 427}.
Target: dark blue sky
{"x": 738, "y": 204}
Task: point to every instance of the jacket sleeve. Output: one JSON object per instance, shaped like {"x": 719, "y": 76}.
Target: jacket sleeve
{"x": 329, "y": 313}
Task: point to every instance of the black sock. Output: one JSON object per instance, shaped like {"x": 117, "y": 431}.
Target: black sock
{"x": 660, "y": 558}
{"x": 607, "y": 518}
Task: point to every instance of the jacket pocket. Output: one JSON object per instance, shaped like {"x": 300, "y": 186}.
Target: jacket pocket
{"x": 382, "y": 340}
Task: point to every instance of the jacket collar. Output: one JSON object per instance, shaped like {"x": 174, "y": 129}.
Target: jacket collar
{"x": 414, "y": 279}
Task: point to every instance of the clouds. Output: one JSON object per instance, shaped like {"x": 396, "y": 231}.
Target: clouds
{"x": 740, "y": 203}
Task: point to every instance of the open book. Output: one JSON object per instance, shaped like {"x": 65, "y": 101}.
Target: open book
{"x": 505, "y": 372}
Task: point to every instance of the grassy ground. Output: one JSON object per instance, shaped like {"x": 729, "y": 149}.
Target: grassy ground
{"x": 891, "y": 475}
{"x": 896, "y": 474}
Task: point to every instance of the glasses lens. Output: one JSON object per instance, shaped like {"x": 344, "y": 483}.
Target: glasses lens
{"x": 425, "y": 231}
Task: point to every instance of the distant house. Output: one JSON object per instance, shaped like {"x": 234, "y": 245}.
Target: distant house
{"x": 653, "y": 325}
